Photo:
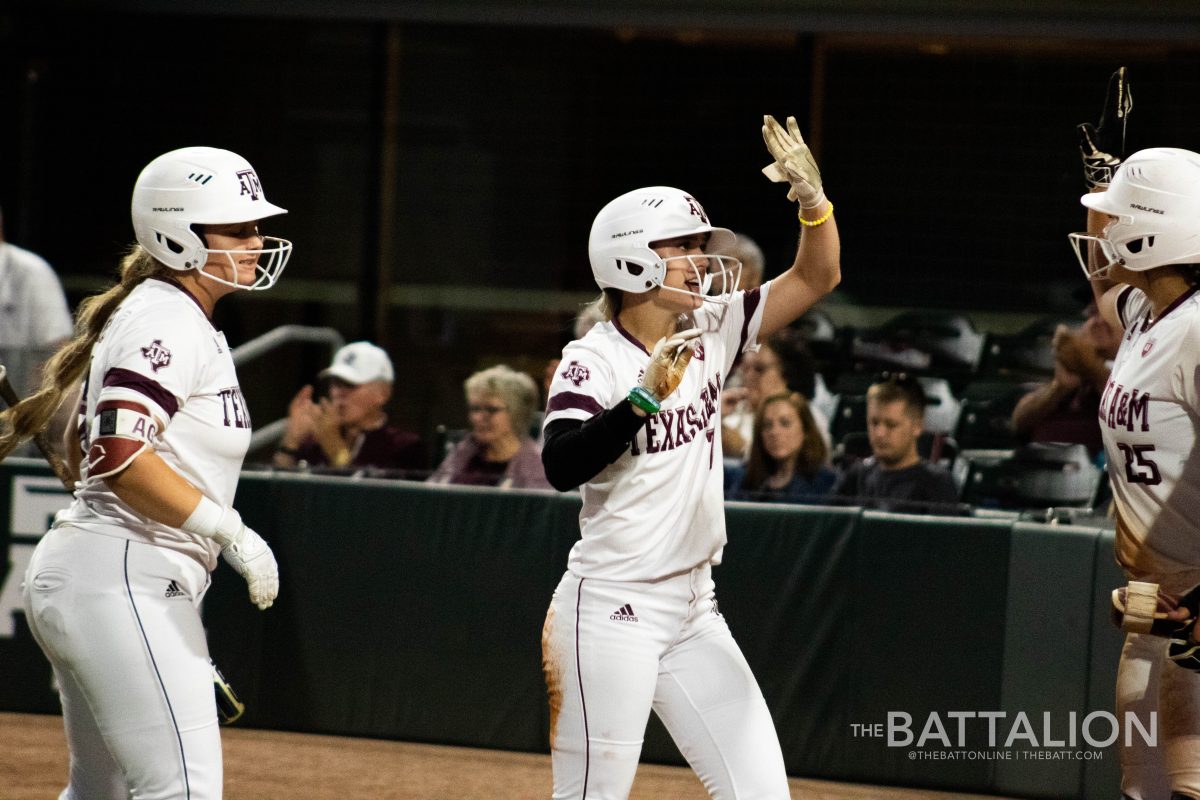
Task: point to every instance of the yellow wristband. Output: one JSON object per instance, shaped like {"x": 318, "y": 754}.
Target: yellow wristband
{"x": 341, "y": 458}
{"x": 812, "y": 223}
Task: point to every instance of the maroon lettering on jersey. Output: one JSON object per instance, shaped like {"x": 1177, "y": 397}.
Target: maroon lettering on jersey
{"x": 675, "y": 427}
{"x": 694, "y": 422}
{"x": 682, "y": 434}
{"x": 651, "y": 445}
{"x": 234, "y": 405}
{"x": 1113, "y": 401}
{"x": 667, "y": 418}
{"x": 1139, "y": 407}
{"x": 1122, "y": 409}
{"x": 157, "y": 355}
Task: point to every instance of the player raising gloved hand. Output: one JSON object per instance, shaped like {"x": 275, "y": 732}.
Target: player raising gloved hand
{"x": 794, "y": 162}
{"x": 1102, "y": 145}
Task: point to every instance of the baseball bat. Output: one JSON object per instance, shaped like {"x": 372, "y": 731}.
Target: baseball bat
{"x": 61, "y": 471}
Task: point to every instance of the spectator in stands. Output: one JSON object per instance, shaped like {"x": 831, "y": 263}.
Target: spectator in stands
{"x": 1065, "y": 408}
{"x": 498, "y": 451}
{"x": 588, "y": 316}
{"x": 34, "y": 318}
{"x": 895, "y": 477}
{"x": 349, "y": 428}
{"x": 783, "y": 363}
{"x": 787, "y": 456}
{"x": 747, "y": 251}
{"x": 34, "y": 321}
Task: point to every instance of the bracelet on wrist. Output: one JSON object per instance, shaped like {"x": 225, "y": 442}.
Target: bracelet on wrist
{"x": 812, "y": 223}
{"x": 641, "y": 397}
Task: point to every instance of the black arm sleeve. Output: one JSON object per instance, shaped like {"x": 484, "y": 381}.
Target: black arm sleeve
{"x": 574, "y": 452}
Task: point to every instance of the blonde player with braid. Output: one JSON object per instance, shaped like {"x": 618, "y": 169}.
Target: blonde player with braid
{"x": 633, "y": 418}
{"x": 113, "y": 590}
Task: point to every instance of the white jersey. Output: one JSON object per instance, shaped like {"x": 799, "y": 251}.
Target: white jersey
{"x": 659, "y": 509}
{"x": 1149, "y": 417}
{"x": 159, "y": 349}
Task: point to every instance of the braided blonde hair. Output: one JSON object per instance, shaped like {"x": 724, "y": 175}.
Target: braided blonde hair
{"x": 60, "y": 372}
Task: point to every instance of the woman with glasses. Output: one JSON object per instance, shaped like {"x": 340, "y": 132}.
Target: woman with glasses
{"x": 498, "y": 450}
{"x": 782, "y": 363}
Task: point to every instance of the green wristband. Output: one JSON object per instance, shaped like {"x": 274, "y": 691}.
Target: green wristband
{"x": 641, "y": 397}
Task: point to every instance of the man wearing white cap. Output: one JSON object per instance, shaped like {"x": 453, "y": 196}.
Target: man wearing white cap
{"x": 349, "y": 428}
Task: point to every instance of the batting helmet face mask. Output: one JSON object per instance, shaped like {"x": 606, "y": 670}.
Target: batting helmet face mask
{"x": 621, "y": 252}
{"x": 1154, "y": 200}
{"x": 204, "y": 186}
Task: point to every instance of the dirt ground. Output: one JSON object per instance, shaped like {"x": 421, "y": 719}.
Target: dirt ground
{"x": 269, "y": 765}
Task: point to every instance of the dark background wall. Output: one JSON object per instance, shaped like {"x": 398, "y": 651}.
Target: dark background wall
{"x": 442, "y": 162}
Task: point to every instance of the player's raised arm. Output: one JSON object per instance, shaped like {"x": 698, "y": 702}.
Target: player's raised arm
{"x": 817, "y": 268}
{"x": 1102, "y": 149}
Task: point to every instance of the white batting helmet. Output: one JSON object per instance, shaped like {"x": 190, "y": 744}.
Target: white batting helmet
{"x": 1155, "y": 201}
{"x": 203, "y": 186}
{"x": 619, "y": 245}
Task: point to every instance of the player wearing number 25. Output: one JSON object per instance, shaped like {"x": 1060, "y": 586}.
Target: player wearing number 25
{"x": 113, "y": 590}
{"x": 633, "y": 417}
{"x": 1140, "y": 252}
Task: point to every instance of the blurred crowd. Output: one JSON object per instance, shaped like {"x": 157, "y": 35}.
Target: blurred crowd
{"x": 923, "y": 414}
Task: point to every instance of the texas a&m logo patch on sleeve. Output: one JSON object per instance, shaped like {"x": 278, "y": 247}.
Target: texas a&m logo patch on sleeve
{"x": 157, "y": 355}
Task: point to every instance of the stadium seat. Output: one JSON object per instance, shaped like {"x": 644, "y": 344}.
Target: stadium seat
{"x": 1025, "y": 355}
{"x": 918, "y": 340}
{"x": 1036, "y": 475}
{"x": 985, "y": 419}
{"x": 942, "y": 409}
{"x": 1054, "y": 474}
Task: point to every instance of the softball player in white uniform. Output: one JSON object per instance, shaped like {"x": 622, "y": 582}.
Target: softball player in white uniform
{"x": 634, "y": 417}
{"x": 113, "y": 590}
{"x": 1141, "y": 230}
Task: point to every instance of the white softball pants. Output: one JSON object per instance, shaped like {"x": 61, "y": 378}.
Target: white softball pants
{"x": 1148, "y": 681}
{"x": 120, "y": 623}
{"x": 614, "y": 650}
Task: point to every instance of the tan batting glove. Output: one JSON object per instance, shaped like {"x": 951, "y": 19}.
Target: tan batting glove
{"x": 241, "y": 547}
{"x": 668, "y": 362}
{"x": 794, "y": 162}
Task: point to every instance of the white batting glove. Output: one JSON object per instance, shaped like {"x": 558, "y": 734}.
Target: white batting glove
{"x": 794, "y": 162}
{"x": 668, "y": 362}
{"x": 242, "y": 548}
